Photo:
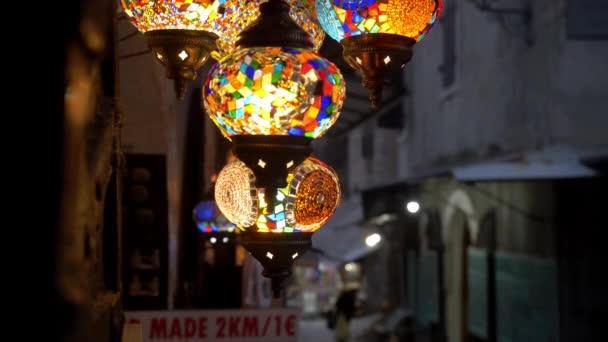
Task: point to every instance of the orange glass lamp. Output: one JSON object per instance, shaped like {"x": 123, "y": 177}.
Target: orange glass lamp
{"x": 277, "y": 229}
{"x": 184, "y": 33}
{"x": 181, "y": 33}
{"x": 377, "y": 35}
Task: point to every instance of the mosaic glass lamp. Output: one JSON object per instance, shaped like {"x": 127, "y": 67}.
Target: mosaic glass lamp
{"x": 273, "y": 95}
{"x": 377, "y": 35}
{"x": 181, "y": 33}
{"x": 300, "y": 11}
{"x": 184, "y": 33}
{"x": 271, "y": 98}
{"x": 209, "y": 219}
{"x": 278, "y": 228}
{"x": 274, "y": 91}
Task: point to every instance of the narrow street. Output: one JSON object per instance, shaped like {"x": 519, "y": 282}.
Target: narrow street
{"x": 230, "y": 171}
{"x": 316, "y": 329}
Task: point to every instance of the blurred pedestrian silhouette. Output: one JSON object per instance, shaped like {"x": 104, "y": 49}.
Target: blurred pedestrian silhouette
{"x": 345, "y": 310}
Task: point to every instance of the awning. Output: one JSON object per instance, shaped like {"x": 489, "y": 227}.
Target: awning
{"x": 343, "y": 245}
{"x": 342, "y": 239}
{"x": 553, "y": 162}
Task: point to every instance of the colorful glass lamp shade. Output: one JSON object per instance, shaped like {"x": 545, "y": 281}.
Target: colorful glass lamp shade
{"x": 311, "y": 195}
{"x": 300, "y": 11}
{"x": 273, "y": 95}
{"x": 181, "y": 33}
{"x": 209, "y": 219}
{"x": 274, "y": 91}
{"x": 204, "y": 215}
{"x": 377, "y": 35}
{"x": 184, "y": 33}
{"x": 277, "y": 224}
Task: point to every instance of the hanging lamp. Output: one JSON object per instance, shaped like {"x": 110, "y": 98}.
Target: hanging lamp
{"x": 302, "y": 12}
{"x": 184, "y": 33}
{"x": 181, "y": 33}
{"x": 377, "y": 36}
{"x": 271, "y": 98}
{"x": 273, "y": 95}
{"x": 277, "y": 232}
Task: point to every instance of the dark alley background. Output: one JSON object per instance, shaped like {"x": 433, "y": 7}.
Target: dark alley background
{"x": 473, "y": 198}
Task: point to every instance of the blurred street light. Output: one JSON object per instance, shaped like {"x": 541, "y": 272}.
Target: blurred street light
{"x": 373, "y": 239}
{"x": 412, "y": 207}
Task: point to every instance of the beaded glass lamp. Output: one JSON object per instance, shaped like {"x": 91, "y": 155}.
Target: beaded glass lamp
{"x": 278, "y": 228}
{"x": 304, "y": 205}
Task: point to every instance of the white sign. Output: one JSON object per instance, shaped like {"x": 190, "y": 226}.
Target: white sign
{"x": 268, "y": 325}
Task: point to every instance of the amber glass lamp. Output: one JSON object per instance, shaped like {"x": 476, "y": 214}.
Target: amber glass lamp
{"x": 181, "y": 33}
{"x": 278, "y": 228}
{"x": 184, "y": 33}
{"x": 377, "y": 35}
